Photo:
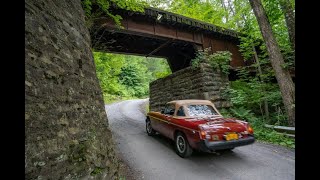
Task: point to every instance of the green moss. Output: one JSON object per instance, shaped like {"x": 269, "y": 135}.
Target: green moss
{"x": 96, "y": 171}
{"x": 77, "y": 152}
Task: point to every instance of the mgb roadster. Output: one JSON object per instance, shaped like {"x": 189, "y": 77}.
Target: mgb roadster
{"x": 198, "y": 125}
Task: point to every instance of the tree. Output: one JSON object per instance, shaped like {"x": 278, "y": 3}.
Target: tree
{"x": 127, "y": 77}
{"x": 288, "y": 11}
{"x": 283, "y": 77}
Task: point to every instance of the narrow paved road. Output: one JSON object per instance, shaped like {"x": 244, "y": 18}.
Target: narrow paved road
{"x": 154, "y": 157}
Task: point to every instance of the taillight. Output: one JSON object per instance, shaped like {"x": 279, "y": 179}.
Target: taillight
{"x": 250, "y": 129}
{"x": 203, "y": 134}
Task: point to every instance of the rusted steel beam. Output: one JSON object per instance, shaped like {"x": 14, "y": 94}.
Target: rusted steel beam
{"x": 134, "y": 54}
{"x": 144, "y": 26}
{"x": 149, "y": 29}
{"x": 158, "y": 48}
{"x": 169, "y": 17}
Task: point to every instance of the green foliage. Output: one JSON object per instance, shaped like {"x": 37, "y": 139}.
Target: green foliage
{"x": 218, "y": 60}
{"x": 269, "y": 135}
{"x": 247, "y": 98}
{"x": 103, "y": 6}
{"x": 125, "y": 77}
{"x": 251, "y": 93}
{"x": 134, "y": 78}
{"x": 208, "y": 11}
{"x": 108, "y": 68}
{"x": 221, "y": 59}
{"x": 87, "y": 7}
{"x": 159, "y": 68}
{"x": 272, "y": 136}
{"x": 242, "y": 113}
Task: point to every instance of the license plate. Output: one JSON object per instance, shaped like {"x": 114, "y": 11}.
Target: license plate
{"x": 232, "y": 136}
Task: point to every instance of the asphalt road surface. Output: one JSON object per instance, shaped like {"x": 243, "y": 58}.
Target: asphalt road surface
{"x": 154, "y": 157}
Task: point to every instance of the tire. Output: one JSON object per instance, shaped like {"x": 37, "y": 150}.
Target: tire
{"x": 182, "y": 146}
{"x": 150, "y": 131}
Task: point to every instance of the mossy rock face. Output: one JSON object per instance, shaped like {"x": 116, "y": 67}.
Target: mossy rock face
{"x": 96, "y": 171}
{"x": 77, "y": 153}
{"x": 67, "y": 135}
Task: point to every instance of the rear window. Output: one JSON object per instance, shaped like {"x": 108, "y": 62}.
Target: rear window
{"x": 201, "y": 110}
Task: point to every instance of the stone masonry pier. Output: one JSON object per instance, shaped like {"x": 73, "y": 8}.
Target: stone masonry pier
{"x": 190, "y": 83}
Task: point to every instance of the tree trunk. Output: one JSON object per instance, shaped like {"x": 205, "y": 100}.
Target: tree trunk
{"x": 265, "y": 102}
{"x": 289, "y": 15}
{"x": 282, "y": 75}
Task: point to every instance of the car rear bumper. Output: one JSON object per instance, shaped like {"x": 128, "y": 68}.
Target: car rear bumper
{"x": 208, "y": 146}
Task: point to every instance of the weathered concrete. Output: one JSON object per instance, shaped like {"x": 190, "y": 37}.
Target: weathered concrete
{"x": 190, "y": 83}
{"x": 66, "y": 128}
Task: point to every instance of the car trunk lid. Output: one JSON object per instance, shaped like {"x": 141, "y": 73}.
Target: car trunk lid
{"x": 221, "y": 125}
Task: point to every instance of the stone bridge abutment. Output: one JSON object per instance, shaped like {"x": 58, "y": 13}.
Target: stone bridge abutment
{"x": 202, "y": 82}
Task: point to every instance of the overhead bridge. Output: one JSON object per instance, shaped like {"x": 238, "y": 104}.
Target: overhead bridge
{"x": 158, "y": 33}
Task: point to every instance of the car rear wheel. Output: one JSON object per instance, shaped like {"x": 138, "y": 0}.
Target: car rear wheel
{"x": 182, "y": 146}
{"x": 149, "y": 129}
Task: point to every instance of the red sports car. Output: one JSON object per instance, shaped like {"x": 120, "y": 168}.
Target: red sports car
{"x": 197, "y": 124}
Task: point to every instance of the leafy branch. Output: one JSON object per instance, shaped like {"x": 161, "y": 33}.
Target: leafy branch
{"x": 96, "y": 8}
{"x": 218, "y": 60}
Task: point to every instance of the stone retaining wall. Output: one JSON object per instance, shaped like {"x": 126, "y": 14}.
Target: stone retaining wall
{"x": 190, "y": 83}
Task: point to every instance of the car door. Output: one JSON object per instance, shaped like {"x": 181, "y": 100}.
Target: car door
{"x": 167, "y": 117}
{"x": 172, "y": 121}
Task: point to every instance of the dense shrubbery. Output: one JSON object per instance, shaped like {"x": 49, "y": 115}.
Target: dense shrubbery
{"x": 127, "y": 77}
{"x": 218, "y": 60}
{"x": 247, "y": 95}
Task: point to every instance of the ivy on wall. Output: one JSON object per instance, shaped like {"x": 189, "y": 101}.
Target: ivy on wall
{"x": 219, "y": 60}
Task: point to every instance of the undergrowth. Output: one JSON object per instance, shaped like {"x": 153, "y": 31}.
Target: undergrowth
{"x": 261, "y": 133}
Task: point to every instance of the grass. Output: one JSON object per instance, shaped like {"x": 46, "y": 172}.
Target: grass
{"x": 271, "y": 136}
